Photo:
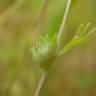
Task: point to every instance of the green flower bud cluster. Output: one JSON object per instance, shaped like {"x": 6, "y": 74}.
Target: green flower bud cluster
{"x": 44, "y": 50}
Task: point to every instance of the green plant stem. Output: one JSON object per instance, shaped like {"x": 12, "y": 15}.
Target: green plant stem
{"x": 40, "y": 84}
{"x": 63, "y": 22}
{"x": 43, "y": 75}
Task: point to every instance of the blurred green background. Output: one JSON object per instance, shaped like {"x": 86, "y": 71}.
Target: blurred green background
{"x": 21, "y": 23}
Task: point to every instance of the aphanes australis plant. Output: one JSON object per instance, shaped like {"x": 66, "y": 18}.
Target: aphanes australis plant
{"x": 46, "y": 49}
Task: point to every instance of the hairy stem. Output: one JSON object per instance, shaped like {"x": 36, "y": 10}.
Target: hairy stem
{"x": 63, "y": 22}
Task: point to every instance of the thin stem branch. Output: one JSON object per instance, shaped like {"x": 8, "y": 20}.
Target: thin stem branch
{"x": 63, "y": 21}
{"x": 40, "y": 84}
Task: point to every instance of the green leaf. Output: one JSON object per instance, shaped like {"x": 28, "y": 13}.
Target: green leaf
{"x": 82, "y": 35}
